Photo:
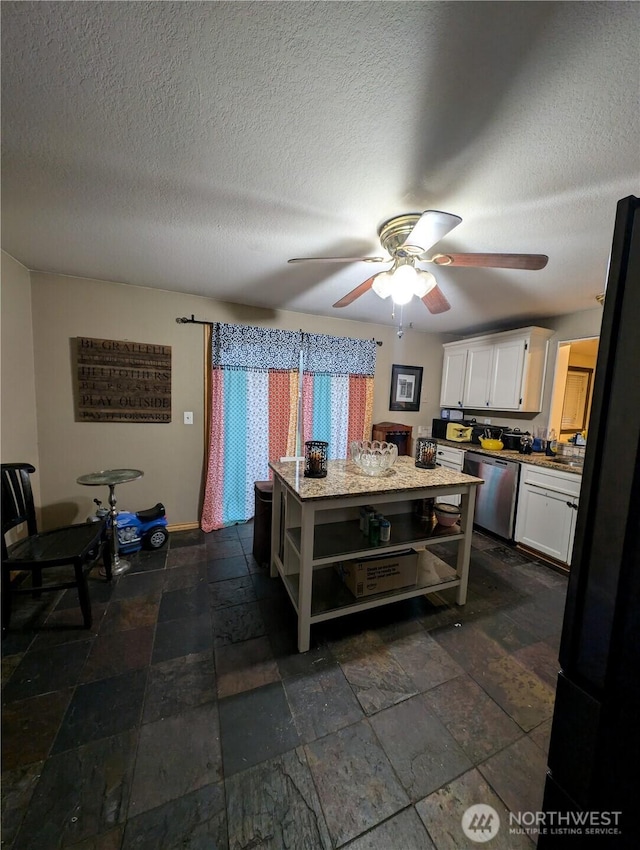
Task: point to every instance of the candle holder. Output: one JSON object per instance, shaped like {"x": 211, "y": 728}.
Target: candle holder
{"x": 315, "y": 458}
{"x": 426, "y": 453}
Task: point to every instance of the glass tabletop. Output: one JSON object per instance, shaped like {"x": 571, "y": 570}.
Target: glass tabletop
{"x": 110, "y": 476}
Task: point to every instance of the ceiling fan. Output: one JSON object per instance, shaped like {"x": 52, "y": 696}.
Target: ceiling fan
{"x": 407, "y": 239}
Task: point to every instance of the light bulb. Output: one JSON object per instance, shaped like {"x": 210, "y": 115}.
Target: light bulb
{"x": 404, "y": 281}
{"x": 382, "y": 284}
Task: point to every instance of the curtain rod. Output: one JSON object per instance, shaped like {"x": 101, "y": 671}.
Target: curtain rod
{"x": 182, "y": 320}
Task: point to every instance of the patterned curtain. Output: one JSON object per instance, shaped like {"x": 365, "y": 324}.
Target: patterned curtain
{"x": 254, "y": 407}
{"x": 337, "y": 390}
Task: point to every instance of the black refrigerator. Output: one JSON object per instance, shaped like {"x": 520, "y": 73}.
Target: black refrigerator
{"x": 592, "y": 791}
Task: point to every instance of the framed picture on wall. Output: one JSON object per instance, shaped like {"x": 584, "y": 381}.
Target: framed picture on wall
{"x": 406, "y": 384}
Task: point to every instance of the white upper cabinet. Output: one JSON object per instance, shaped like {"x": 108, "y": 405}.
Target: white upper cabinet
{"x": 502, "y": 371}
{"x": 507, "y": 373}
{"x": 478, "y": 379}
{"x": 453, "y": 372}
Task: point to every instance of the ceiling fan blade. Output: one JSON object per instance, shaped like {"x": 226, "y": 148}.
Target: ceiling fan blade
{"x": 530, "y": 262}
{"x": 430, "y": 228}
{"x": 435, "y": 302}
{"x": 338, "y": 260}
{"x": 350, "y": 297}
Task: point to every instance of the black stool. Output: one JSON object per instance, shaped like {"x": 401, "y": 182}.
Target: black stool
{"x": 262, "y": 522}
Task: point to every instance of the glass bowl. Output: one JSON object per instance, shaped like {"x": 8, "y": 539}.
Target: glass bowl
{"x": 373, "y": 457}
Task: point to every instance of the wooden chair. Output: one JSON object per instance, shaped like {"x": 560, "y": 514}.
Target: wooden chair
{"x": 78, "y": 546}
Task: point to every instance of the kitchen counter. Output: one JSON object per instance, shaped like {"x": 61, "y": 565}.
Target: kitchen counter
{"x": 535, "y": 458}
{"x": 345, "y": 479}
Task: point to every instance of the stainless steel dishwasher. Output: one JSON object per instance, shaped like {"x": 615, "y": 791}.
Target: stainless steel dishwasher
{"x": 496, "y": 498}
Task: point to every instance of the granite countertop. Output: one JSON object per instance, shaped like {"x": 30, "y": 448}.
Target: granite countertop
{"x": 535, "y": 458}
{"x": 345, "y": 479}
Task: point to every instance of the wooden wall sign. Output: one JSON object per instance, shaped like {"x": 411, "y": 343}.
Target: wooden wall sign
{"x": 122, "y": 381}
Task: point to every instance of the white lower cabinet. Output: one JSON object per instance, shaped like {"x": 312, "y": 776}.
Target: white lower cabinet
{"x": 452, "y": 459}
{"x": 547, "y": 511}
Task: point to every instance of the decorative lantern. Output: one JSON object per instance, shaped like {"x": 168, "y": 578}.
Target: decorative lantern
{"x": 315, "y": 458}
{"x": 426, "y": 453}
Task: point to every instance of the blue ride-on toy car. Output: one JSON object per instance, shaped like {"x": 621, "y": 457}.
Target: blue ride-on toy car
{"x": 144, "y": 529}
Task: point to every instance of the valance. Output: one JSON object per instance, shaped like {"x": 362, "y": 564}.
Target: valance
{"x": 248, "y": 347}
{"x": 338, "y": 355}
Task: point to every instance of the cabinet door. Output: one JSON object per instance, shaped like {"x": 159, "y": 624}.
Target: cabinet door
{"x": 476, "y": 390}
{"x": 506, "y": 375}
{"x": 545, "y": 521}
{"x": 452, "y": 498}
{"x": 453, "y": 371}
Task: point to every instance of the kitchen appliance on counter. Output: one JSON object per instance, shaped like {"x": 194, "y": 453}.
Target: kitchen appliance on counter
{"x": 512, "y": 437}
{"x": 458, "y": 432}
{"x": 440, "y": 427}
{"x": 454, "y": 414}
{"x": 495, "y": 499}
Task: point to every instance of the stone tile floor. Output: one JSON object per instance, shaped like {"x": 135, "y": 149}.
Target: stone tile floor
{"x": 185, "y": 718}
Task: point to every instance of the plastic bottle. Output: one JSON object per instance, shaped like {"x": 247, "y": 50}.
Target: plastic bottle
{"x": 385, "y": 531}
{"x": 374, "y": 531}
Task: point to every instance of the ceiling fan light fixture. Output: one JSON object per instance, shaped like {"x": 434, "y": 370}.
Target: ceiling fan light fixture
{"x": 404, "y": 283}
{"x": 425, "y": 282}
{"x": 382, "y": 284}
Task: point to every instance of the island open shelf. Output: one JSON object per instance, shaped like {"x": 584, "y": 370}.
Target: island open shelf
{"x": 344, "y": 539}
{"x": 331, "y": 598}
{"x": 315, "y": 523}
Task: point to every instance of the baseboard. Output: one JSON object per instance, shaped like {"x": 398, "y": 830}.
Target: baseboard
{"x": 184, "y": 526}
{"x": 558, "y": 565}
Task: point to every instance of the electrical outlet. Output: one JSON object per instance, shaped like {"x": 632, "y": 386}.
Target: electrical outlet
{"x": 188, "y": 417}
{"x": 487, "y": 422}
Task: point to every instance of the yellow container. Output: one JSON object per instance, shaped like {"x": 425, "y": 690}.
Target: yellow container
{"x": 491, "y": 445}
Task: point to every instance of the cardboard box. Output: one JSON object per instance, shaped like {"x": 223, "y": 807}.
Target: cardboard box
{"x": 379, "y": 575}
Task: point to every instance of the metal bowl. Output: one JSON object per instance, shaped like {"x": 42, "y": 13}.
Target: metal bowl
{"x": 373, "y": 457}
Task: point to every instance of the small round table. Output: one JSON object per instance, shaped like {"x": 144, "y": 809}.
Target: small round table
{"x": 111, "y": 477}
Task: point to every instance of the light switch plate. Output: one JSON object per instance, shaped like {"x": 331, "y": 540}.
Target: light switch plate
{"x": 188, "y": 417}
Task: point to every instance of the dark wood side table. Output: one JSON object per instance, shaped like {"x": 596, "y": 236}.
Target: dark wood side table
{"x": 394, "y": 432}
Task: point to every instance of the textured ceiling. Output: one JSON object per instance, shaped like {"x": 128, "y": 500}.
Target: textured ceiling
{"x": 197, "y": 146}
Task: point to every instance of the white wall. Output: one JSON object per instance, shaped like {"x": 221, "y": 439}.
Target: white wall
{"x": 38, "y": 419}
{"x": 171, "y": 455}
{"x": 18, "y": 435}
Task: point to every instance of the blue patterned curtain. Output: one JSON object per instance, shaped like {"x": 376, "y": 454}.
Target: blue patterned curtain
{"x": 256, "y": 410}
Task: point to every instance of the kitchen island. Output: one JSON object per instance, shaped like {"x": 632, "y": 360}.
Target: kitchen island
{"x": 316, "y": 525}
